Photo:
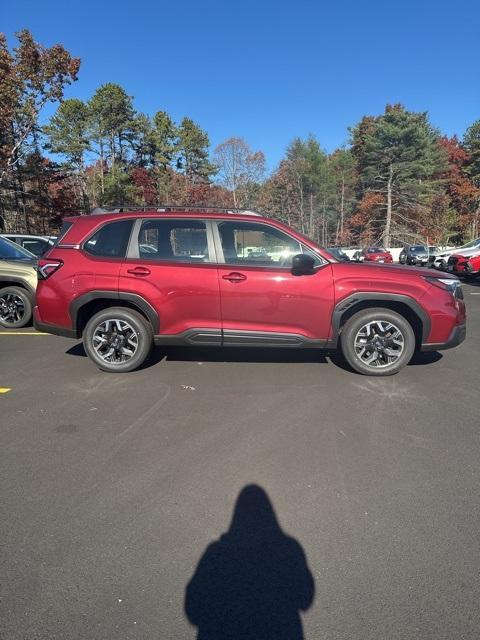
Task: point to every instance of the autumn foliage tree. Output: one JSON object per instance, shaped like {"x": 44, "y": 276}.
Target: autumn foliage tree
{"x": 30, "y": 77}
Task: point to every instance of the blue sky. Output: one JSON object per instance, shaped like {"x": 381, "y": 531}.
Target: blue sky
{"x": 271, "y": 70}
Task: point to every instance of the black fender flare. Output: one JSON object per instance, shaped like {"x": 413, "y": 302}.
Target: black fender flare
{"x": 361, "y": 296}
{"x": 132, "y": 298}
{"x": 19, "y": 283}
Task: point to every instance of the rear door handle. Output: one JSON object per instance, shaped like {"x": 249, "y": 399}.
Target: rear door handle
{"x": 235, "y": 277}
{"x": 139, "y": 271}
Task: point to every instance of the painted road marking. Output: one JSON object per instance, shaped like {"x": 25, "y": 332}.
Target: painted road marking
{"x": 4, "y": 389}
{"x": 23, "y": 333}
{"x": 474, "y": 294}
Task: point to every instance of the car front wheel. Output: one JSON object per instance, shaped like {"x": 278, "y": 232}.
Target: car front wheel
{"x": 377, "y": 342}
{"x": 118, "y": 339}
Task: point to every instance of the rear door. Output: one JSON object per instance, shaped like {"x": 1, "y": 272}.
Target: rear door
{"x": 171, "y": 263}
{"x": 262, "y": 302}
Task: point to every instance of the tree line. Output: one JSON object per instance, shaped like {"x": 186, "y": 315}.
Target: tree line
{"x": 398, "y": 180}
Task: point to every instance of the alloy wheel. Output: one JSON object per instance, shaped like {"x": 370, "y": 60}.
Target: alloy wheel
{"x": 115, "y": 341}
{"x": 379, "y": 343}
{"x": 12, "y": 308}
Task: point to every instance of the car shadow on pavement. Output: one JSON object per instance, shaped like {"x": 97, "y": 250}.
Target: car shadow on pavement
{"x": 254, "y": 355}
{"x": 253, "y": 581}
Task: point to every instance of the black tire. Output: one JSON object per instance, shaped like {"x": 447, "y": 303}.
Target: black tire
{"x": 122, "y": 330}
{"x": 357, "y": 342}
{"x": 15, "y": 308}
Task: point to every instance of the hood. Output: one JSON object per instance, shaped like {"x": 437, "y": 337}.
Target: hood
{"x": 372, "y": 269}
{"x": 17, "y": 265}
{"x": 458, "y": 251}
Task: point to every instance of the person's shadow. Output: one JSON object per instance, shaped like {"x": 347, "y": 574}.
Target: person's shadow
{"x": 252, "y": 583}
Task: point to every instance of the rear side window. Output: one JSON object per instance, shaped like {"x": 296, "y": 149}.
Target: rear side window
{"x": 177, "y": 240}
{"x": 111, "y": 240}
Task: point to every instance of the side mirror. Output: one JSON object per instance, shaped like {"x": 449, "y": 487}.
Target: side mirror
{"x": 303, "y": 265}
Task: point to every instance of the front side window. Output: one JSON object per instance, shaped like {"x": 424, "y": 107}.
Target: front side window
{"x": 177, "y": 240}
{"x": 250, "y": 243}
{"x": 111, "y": 240}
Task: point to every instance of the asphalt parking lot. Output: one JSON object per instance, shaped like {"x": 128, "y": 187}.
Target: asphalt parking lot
{"x": 114, "y": 487}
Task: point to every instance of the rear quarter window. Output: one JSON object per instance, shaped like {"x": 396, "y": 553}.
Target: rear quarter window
{"x": 111, "y": 240}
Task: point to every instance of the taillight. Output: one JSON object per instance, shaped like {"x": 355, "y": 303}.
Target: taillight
{"x": 47, "y": 266}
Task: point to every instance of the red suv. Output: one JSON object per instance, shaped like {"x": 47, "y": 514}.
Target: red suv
{"x": 124, "y": 281}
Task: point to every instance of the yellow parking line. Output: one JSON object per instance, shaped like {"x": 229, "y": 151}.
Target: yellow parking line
{"x": 23, "y": 333}
{"x": 4, "y": 389}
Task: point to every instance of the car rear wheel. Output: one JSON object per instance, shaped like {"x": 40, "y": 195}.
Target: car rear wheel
{"x": 15, "y": 307}
{"x": 377, "y": 342}
{"x": 118, "y": 339}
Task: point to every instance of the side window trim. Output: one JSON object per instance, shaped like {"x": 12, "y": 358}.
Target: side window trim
{"x": 132, "y": 249}
{"x": 133, "y": 252}
{"x": 212, "y": 247}
{"x": 218, "y": 242}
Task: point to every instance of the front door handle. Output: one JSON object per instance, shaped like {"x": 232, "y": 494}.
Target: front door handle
{"x": 139, "y": 271}
{"x": 235, "y": 277}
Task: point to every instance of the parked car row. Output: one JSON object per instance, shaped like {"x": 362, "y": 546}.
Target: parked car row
{"x": 462, "y": 261}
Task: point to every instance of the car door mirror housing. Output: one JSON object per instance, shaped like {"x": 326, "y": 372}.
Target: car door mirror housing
{"x": 303, "y": 265}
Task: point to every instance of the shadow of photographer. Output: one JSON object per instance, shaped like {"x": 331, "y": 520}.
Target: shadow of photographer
{"x": 252, "y": 583}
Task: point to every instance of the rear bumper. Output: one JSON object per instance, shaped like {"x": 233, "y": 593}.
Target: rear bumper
{"x": 457, "y": 336}
{"x": 44, "y": 327}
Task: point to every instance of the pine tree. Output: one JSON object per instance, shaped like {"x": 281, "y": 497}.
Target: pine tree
{"x": 399, "y": 158}
{"x": 192, "y": 149}
{"x": 67, "y": 132}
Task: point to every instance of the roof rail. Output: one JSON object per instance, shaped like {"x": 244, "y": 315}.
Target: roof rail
{"x": 169, "y": 208}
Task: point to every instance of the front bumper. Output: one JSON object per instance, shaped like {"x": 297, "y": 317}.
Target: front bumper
{"x": 457, "y": 336}
{"x": 462, "y": 269}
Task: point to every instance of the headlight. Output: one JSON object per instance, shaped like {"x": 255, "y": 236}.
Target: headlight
{"x": 447, "y": 284}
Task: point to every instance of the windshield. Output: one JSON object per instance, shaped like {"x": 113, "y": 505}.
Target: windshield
{"x": 375, "y": 250}
{"x": 419, "y": 248}
{"x": 11, "y": 251}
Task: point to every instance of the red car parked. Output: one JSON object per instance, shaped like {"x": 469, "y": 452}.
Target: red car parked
{"x": 124, "y": 281}
{"x": 464, "y": 265}
{"x": 377, "y": 254}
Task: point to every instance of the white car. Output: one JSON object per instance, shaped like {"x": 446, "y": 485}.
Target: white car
{"x": 441, "y": 259}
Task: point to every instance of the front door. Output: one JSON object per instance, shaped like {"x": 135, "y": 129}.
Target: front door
{"x": 262, "y": 302}
{"x": 171, "y": 264}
